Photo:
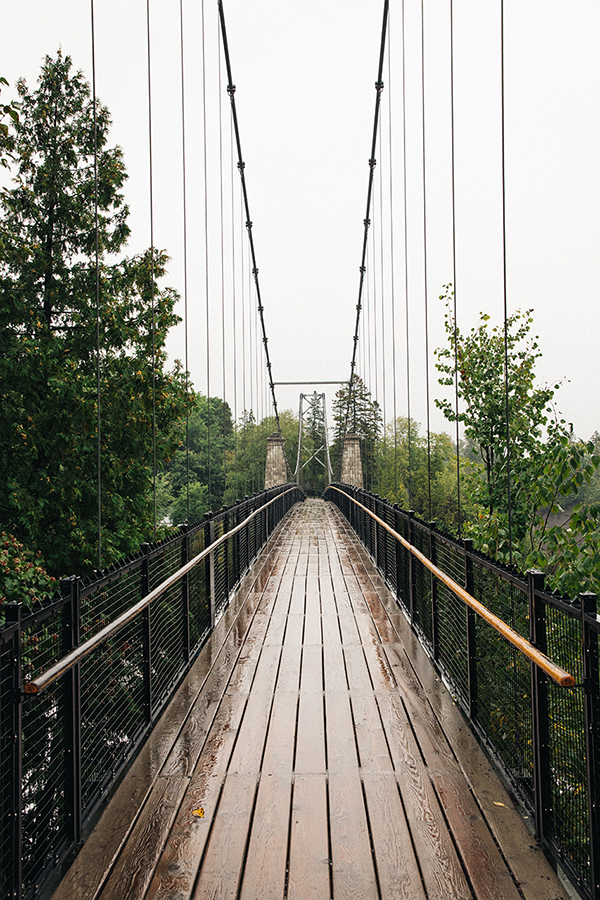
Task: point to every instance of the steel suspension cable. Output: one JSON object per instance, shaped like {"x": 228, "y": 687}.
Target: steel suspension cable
{"x": 97, "y": 268}
{"x": 151, "y": 190}
{"x": 367, "y": 221}
{"x": 406, "y": 299}
{"x": 392, "y": 276}
{"x": 222, "y": 223}
{"x": 454, "y": 266}
{"x": 241, "y": 167}
{"x": 206, "y": 257}
{"x": 506, "y": 378}
{"x": 425, "y": 273}
{"x": 185, "y": 267}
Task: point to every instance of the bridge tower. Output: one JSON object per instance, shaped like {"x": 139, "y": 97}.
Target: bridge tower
{"x": 313, "y": 468}
{"x": 275, "y": 469}
{"x": 352, "y": 472}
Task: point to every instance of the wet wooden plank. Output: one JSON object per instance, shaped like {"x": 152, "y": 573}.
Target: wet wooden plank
{"x": 249, "y": 748}
{"x": 265, "y": 872}
{"x": 352, "y": 862}
{"x": 341, "y": 742}
{"x": 310, "y": 739}
{"x": 312, "y": 625}
{"x": 178, "y": 865}
{"x": 222, "y": 865}
{"x": 279, "y": 749}
{"x": 311, "y": 674}
{"x": 309, "y": 843}
{"x": 397, "y": 868}
{"x": 288, "y": 678}
{"x": 370, "y": 734}
{"x": 334, "y": 667}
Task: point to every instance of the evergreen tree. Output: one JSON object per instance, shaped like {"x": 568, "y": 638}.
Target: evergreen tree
{"x": 48, "y": 337}
{"x": 362, "y": 415}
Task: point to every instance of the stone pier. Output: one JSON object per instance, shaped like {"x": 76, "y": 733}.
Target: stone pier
{"x": 352, "y": 472}
{"x": 275, "y": 469}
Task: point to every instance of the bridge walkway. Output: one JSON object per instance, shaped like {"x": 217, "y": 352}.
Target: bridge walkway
{"x": 311, "y": 753}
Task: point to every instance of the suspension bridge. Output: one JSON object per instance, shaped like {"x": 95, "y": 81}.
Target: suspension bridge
{"x": 322, "y": 696}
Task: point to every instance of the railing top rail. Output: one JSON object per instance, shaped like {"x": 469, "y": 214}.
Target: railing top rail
{"x": 39, "y": 684}
{"x": 554, "y": 671}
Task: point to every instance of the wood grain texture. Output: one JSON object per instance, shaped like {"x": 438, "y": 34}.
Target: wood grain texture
{"x": 309, "y": 846}
{"x": 310, "y": 737}
{"x": 397, "y": 868}
{"x": 221, "y": 869}
{"x": 352, "y": 861}
{"x": 279, "y": 749}
{"x": 342, "y": 755}
{"x": 265, "y": 872}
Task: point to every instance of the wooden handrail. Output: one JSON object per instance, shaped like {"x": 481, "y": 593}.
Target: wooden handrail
{"x": 558, "y": 674}
{"x": 39, "y": 684}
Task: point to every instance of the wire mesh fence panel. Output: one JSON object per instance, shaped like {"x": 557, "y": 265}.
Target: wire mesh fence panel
{"x": 45, "y": 824}
{"x": 452, "y": 620}
{"x": 569, "y": 824}
{"x": 422, "y": 585}
{"x": 199, "y": 606}
{"x": 220, "y": 561}
{"x": 504, "y": 707}
{"x": 7, "y": 751}
{"x": 102, "y": 603}
{"x": 112, "y": 709}
{"x": 45, "y": 821}
{"x": 167, "y": 624}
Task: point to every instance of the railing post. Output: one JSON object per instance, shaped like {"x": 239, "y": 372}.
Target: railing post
{"x": 225, "y": 530}
{"x": 185, "y": 592}
{"x": 13, "y": 616}
{"x": 434, "y": 592}
{"x": 147, "y": 634}
{"x": 592, "y": 719}
{"x": 471, "y": 633}
{"x": 411, "y": 570}
{"x": 72, "y": 707}
{"x": 539, "y": 711}
{"x": 209, "y": 536}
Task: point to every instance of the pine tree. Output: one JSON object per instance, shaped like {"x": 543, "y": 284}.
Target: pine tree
{"x": 48, "y": 336}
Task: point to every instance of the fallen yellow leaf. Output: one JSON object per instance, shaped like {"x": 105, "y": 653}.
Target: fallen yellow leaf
{"x": 496, "y": 803}
{"x": 198, "y": 812}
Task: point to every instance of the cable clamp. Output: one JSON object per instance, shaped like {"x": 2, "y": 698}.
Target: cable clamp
{"x": 362, "y": 270}
{"x": 372, "y": 163}
{"x": 241, "y": 166}
{"x": 254, "y": 271}
{"x": 366, "y": 223}
{"x": 248, "y": 225}
{"x": 231, "y": 89}
{"x": 379, "y": 86}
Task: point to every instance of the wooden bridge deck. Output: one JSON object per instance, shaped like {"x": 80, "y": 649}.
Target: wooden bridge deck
{"x": 311, "y": 753}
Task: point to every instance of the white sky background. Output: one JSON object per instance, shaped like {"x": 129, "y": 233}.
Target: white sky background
{"x": 305, "y": 75}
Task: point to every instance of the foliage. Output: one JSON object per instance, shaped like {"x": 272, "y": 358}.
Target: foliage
{"x": 431, "y": 473}
{"x": 6, "y": 139}
{"x": 480, "y": 359}
{"x": 49, "y": 365}
{"x": 246, "y": 461}
{"x": 548, "y": 465}
{"x": 200, "y": 462}
{"x": 23, "y": 577}
{"x": 363, "y": 417}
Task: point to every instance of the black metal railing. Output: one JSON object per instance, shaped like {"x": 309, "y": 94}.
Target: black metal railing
{"x": 65, "y": 740}
{"x": 544, "y": 737}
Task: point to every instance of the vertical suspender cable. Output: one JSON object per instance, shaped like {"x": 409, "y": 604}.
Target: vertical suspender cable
{"x": 185, "y": 269}
{"x": 425, "y": 285}
{"x": 222, "y": 217}
{"x": 506, "y": 384}
{"x": 383, "y": 296}
{"x": 206, "y": 266}
{"x": 454, "y": 266}
{"x": 97, "y": 267}
{"x": 151, "y": 188}
{"x": 406, "y": 301}
{"x": 392, "y": 275}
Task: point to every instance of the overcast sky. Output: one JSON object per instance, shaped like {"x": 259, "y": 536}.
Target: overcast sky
{"x": 305, "y": 75}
